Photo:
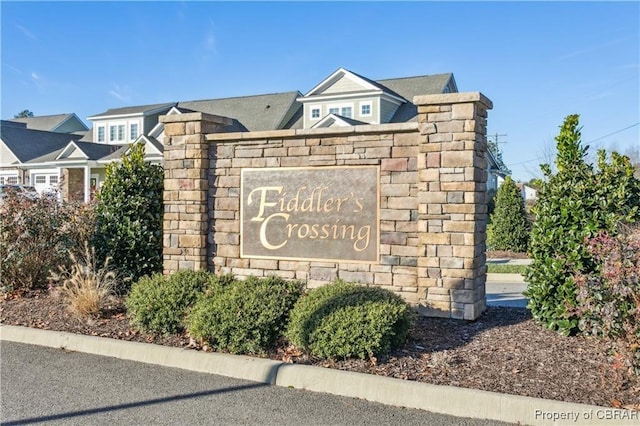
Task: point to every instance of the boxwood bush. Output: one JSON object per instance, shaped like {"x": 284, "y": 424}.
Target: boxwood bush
{"x": 345, "y": 320}
{"x": 158, "y": 304}
{"x": 244, "y": 316}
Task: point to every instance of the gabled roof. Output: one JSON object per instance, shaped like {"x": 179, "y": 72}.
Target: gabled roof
{"x": 409, "y": 87}
{"x": 50, "y": 123}
{"x": 27, "y": 144}
{"x": 89, "y": 150}
{"x": 84, "y": 151}
{"x": 251, "y": 113}
{"x": 133, "y": 110}
{"x": 335, "y": 120}
{"x": 361, "y": 85}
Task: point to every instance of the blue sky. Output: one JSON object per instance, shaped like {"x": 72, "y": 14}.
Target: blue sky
{"x": 537, "y": 61}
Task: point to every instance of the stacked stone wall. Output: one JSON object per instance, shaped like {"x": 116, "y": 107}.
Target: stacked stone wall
{"x": 432, "y": 199}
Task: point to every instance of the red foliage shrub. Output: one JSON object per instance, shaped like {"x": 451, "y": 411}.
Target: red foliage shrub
{"x": 609, "y": 299}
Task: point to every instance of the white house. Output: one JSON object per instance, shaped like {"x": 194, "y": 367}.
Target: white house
{"x": 78, "y": 157}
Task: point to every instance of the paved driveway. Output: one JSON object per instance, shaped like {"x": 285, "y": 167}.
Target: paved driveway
{"x": 51, "y": 386}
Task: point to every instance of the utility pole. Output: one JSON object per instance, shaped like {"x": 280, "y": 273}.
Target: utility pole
{"x": 497, "y": 141}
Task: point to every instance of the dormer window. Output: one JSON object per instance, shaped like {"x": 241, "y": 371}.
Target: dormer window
{"x": 365, "y": 109}
{"x": 101, "y": 134}
{"x": 112, "y": 133}
{"x": 335, "y": 111}
{"x": 346, "y": 112}
{"x": 315, "y": 113}
{"x": 133, "y": 131}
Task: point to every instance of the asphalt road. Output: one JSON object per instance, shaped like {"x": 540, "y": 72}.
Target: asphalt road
{"x": 53, "y": 386}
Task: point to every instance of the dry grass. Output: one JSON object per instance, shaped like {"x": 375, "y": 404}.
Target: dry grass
{"x": 85, "y": 287}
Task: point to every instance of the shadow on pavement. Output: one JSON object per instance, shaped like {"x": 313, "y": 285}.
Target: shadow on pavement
{"x": 130, "y": 405}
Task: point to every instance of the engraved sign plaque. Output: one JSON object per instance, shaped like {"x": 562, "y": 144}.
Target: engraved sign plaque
{"x": 310, "y": 213}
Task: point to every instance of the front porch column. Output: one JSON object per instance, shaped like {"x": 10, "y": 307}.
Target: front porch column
{"x": 186, "y": 189}
{"x": 87, "y": 184}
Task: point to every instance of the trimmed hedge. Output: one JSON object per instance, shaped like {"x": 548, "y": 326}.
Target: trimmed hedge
{"x": 344, "y": 320}
{"x": 158, "y": 304}
{"x": 244, "y": 316}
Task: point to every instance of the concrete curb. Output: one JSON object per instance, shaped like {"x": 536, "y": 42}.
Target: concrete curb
{"x": 505, "y": 278}
{"x": 448, "y": 400}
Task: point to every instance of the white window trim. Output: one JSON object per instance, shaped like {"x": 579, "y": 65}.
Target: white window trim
{"x": 131, "y": 137}
{"x": 126, "y": 132}
{"x": 340, "y": 106}
{"x": 362, "y": 104}
{"x": 315, "y": 108}
{"x": 104, "y": 133}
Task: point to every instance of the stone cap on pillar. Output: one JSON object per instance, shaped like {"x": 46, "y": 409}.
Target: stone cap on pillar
{"x": 196, "y": 116}
{"x": 453, "y": 98}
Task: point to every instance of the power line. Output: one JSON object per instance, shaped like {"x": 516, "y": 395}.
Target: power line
{"x": 617, "y": 131}
{"x": 591, "y": 141}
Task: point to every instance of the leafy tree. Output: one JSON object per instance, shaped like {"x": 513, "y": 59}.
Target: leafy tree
{"x": 25, "y": 113}
{"x": 575, "y": 204}
{"x": 129, "y": 216}
{"x": 509, "y": 228}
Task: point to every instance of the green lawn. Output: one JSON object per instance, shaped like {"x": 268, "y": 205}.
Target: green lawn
{"x": 493, "y": 268}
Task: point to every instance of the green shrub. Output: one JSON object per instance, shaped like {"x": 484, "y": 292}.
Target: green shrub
{"x": 575, "y": 204}
{"x": 344, "y": 320}
{"x": 158, "y": 304}
{"x": 36, "y": 237}
{"x": 509, "y": 228}
{"x": 609, "y": 299}
{"x": 129, "y": 216}
{"x": 244, "y": 316}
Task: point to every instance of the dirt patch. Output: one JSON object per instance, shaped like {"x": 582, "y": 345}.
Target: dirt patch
{"x": 505, "y": 254}
{"x": 503, "y": 351}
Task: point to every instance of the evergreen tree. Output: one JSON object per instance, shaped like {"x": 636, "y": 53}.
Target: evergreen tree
{"x": 25, "y": 113}
{"x": 129, "y": 216}
{"x": 574, "y": 204}
{"x": 509, "y": 228}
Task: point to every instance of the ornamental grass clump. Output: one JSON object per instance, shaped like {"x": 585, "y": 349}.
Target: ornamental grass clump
{"x": 159, "y": 303}
{"x": 244, "y": 316}
{"x": 346, "y": 320}
{"x": 85, "y": 286}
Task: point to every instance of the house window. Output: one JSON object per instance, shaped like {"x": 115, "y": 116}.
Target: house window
{"x": 346, "y": 112}
{"x": 112, "y": 133}
{"x": 121, "y": 132}
{"x": 133, "y": 131}
{"x": 315, "y": 113}
{"x": 41, "y": 179}
{"x": 335, "y": 111}
{"x": 365, "y": 110}
{"x": 53, "y": 180}
{"x": 12, "y": 180}
{"x": 101, "y": 134}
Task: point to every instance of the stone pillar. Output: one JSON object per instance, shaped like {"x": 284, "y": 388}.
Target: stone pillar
{"x": 452, "y": 204}
{"x": 186, "y": 188}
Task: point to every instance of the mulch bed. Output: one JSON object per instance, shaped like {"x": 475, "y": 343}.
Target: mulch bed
{"x": 503, "y": 351}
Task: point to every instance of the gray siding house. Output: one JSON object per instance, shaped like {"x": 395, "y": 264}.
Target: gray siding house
{"x": 79, "y": 157}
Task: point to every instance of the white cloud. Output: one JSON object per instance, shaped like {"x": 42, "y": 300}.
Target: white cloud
{"x": 26, "y": 32}
{"x": 208, "y": 44}
{"x": 35, "y": 76}
{"x": 592, "y": 48}
{"x": 120, "y": 92}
